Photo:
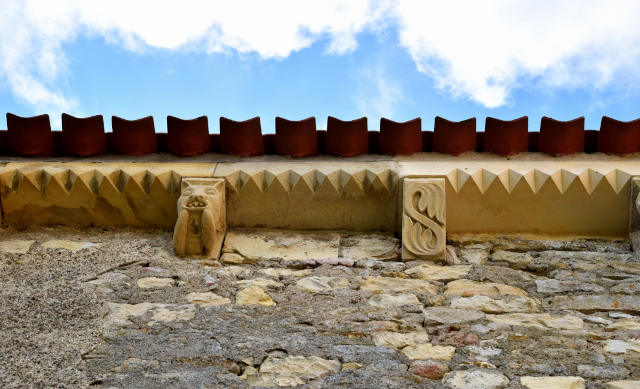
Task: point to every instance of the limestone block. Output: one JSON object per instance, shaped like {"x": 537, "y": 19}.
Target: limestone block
{"x": 83, "y": 193}
{"x": 201, "y": 224}
{"x": 466, "y": 288}
{"x": 299, "y": 366}
{"x": 119, "y": 313}
{"x": 320, "y": 284}
{"x": 351, "y": 366}
{"x": 253, "y": 295}
{"x": 260, "y": 282}
{"x": 382, "y": 300}
{"x": 397, "y": 285}
{"x": 207, "y": 299}
{"x": 399, "y": 340}
{"x": 267, "y": 380}
{"x": 518, "y": 261}
{"x": 561, "y": 286}
{"x": 253, "y": 245}
{"x": 279, "y": 272}
{"x": 446, "y": 315}
{"x": 423, "y": 219}
{"x": 16, "y": 246}
{"x": 155, "y": 282}
{"x": 348, "y": 196}
{"x": 596, "y": 303}
{"x": 438, "y": 273}
{"x": 508, "y": 304}
{"x": 614, "y": 346}
{"x": 539, "y": 320}
{"x": 376, "y": 246}
{"x": 429, "y": 351}
{"x": 623, "y": 384}
{"x": 475, "y": 379}
{"x": 69, "y": 245}
{"x": 627, "y": 324}
{"x": 552, "y": 382}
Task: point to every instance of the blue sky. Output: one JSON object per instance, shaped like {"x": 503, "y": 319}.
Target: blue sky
{"x": 394, "y": 59}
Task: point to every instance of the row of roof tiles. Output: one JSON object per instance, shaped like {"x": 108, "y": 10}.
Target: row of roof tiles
{"x": 86, "y": 137}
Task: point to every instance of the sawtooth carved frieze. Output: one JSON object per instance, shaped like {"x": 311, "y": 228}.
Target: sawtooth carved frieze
{"x": 201, "y": 224}
{"x": 423, "y": 219}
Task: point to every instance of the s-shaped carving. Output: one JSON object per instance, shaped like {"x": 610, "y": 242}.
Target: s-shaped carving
{"x": 201, "y": 224}
{"x": 423, "y": 219}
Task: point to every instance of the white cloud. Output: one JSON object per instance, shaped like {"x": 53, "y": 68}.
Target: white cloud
{"x": 32, "y": 33}
{"x": 480, "y": 50}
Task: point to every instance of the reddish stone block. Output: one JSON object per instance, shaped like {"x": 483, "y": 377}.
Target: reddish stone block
{"x": 83, "y": 137}
{"x": 400, "y": 138}
{"x": 506, "y": 137}
{"x": 561, "y": 138}
{"x": 454, "y": 138}
{"x": 30, "y": 137}
{"x": 347, "y": 138}
{"x": 188, "y": 137}
{"x": 619, "y": 138}
{"x": 427, "y": 369}
{"x": 296, "y": 138}
{"x": 243, "y": 138}
{"x": 134, "y": 137}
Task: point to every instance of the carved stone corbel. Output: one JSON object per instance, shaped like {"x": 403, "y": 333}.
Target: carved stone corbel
{"x": 201, "y": 224}
{"x": 423, "y": 219}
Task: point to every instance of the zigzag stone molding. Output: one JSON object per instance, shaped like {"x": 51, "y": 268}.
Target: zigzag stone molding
{"x": 534, "y": 174}
{"x": 356, "y": 196}
{"x": 539, "y": 197}
{"x": 101, "y": 193}
{"x": 310, "y": 178}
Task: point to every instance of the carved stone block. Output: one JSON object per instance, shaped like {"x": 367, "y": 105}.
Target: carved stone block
{"x": 201, "y": 224}
{"x": 423, "y": 219}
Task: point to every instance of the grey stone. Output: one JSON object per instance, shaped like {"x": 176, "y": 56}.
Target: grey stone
{"x": 538, "y": 368}
{"x": 361, "y": 354}
{"x": 475, "y": 379}
{"x": 584, "y": 256}
{"x": 444, "y": 315}
{"x": 557, "y": 286}
{"x": 475, "y": 254}
{"x": 518, "y": 261}
{"x": 627, "y": 288}
{"x": 387, "y": 367}
{"x": 525, "y": 244}
{"x": 606, "y": 372}
{"x": 595, "y": 303}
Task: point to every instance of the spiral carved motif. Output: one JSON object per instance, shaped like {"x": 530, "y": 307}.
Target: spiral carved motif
{"x": 423, "y": 223}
